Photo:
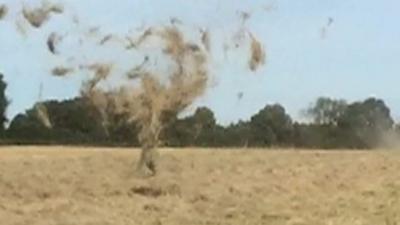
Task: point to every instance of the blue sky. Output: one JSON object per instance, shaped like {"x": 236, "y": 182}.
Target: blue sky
{"x": 357, "y": 59}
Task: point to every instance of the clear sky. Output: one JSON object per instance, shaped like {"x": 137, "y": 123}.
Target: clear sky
{"x": 357, "y": 58}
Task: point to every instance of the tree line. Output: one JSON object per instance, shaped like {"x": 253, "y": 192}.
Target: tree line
{"x": 333, "y": 124}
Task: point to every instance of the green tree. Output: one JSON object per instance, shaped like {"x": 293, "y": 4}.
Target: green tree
{"x": 204, "y": 125}
{"x": 76, "y": 118}
{"x": 397, "y": 128}
{"x": 238, "y": 134}
{"x": 3, "y": 104}
{"x": 198, "y": 129}
{"x": 72, "y": 123}
{"x": 121, "y": 133}
{"x": 364, "y": 124}
{"x": 326, "y": 110}
{"x": 26, "y": 128}
{"x": 271, "y": 126}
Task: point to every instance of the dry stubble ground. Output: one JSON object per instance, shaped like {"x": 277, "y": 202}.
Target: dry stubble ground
{"x": 82, "y": 186}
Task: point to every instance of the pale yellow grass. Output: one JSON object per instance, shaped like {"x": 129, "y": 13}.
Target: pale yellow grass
{"x": 82, "y": 186}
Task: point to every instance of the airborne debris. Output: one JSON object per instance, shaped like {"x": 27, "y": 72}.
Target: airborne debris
{"x": 242, "y": 33}
{"x": 134, "y": 73}
{"x": 134, "y": 43}
{"x": 239, "y": 37}
{"x": 101, "y": 72}
{"x": 61, "y": 71}
{"x": 244, "y": 16}
{"x": 40, "y": 110}
{"x": 270, "y": 7}
{"x": 323, "y": 33}
{"x": 36, "y": 17}
{"x": 330, "y": 21}
{"x": 205, "y": 39}
{"x": 324, "y": 29}
{"x": 105, "y": 39}
{"x": 52, "y": 41}
{"x": 137, "y": 71}
{"x": 257, "y": 54}
{"x": 240, "y": 95}
{"x": 75, "y": 19}
{"x": 99, "y": 99}
{"x": 225, "y": 49}
{"x": 42, "y": 115}
{"x": 174, "y": 21}
{"x": 19, "y": 24}
{"x": 93, "y": 30}
{"x": 193, "y": 47}
{"x": 153, "y": 103}
{"x": 150, "y": 102}
{"x": 3, "y": 11}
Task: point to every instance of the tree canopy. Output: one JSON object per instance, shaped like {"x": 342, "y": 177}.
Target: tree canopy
{"x": 3, "y": 104}
{"x": 335, "y": 124}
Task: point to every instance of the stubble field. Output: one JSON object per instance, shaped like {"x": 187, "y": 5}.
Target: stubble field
{"x": 96, "y": 186}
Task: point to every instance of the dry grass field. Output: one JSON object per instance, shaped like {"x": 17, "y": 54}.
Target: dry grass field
{"x": 72, "y": 186}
